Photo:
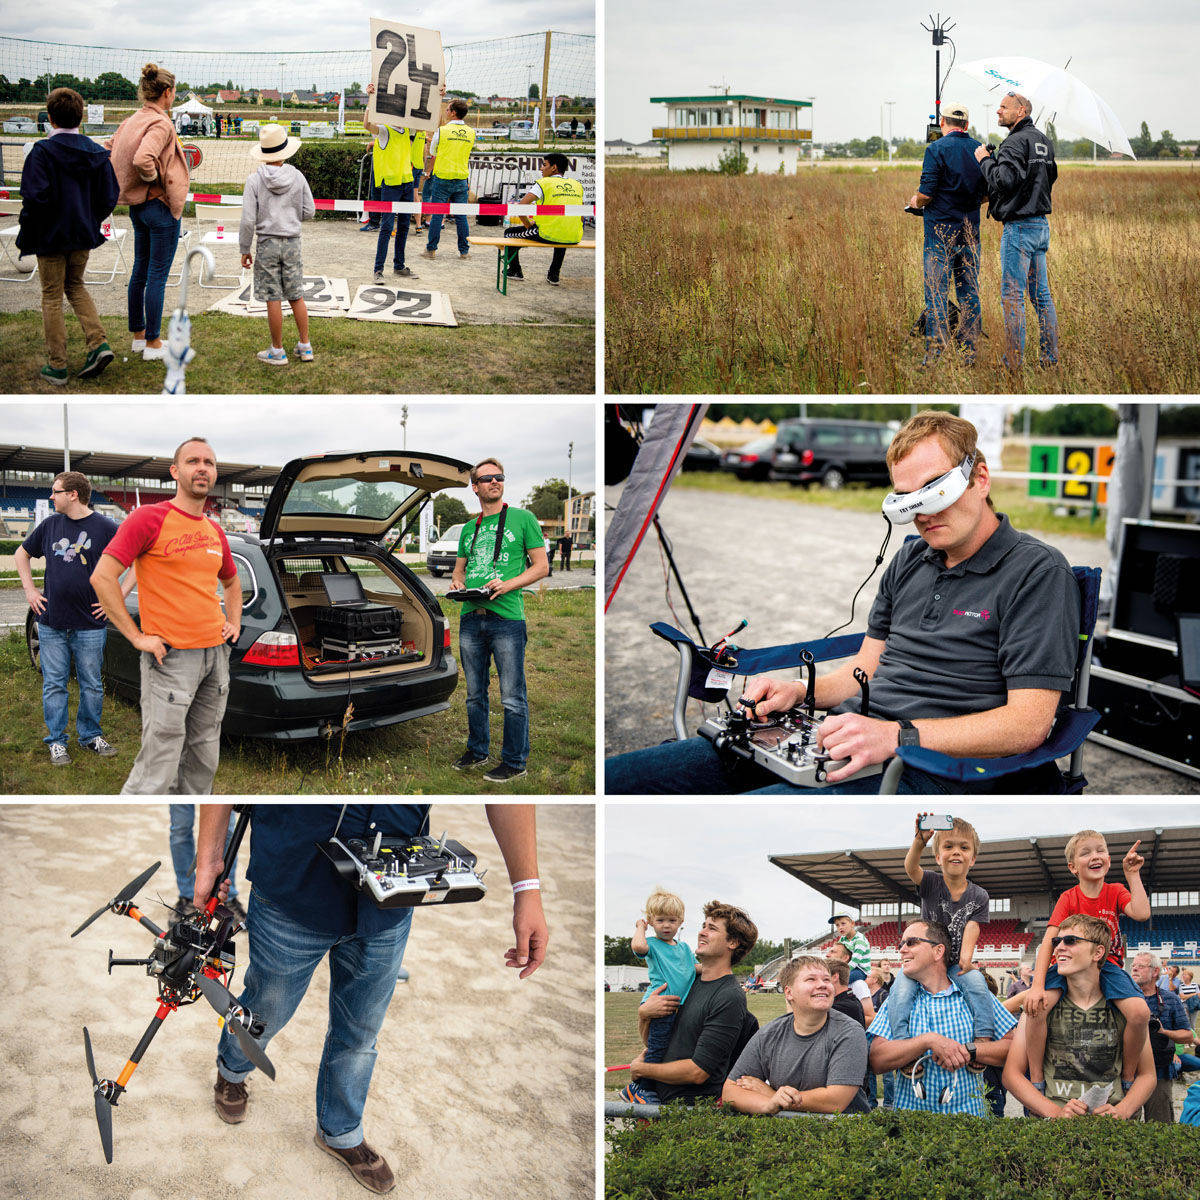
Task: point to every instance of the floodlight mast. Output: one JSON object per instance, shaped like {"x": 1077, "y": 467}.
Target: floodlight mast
{"x": 938, "y": 29}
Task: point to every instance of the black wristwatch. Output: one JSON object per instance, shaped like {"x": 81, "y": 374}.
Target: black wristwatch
{"x": 971, "y": 1051}
{"x": 909, "y": 734}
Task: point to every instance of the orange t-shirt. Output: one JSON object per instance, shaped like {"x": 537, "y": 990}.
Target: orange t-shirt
{"x": 180, "y": 558}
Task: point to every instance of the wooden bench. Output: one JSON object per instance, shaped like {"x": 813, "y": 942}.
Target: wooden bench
{"x": 502, "y": 244}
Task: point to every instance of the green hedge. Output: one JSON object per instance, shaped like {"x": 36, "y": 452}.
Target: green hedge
{"x": 708, "y": 1154}
{"x": 9, "y": 546}
{"x": 331, "y": 169}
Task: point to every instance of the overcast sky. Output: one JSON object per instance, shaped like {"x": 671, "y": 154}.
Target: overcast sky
{"x": 718, "y": 851}
{"x": 1140, "y": 59}
{"x": 255, "y": 25}
{"x": 531, "y": 439}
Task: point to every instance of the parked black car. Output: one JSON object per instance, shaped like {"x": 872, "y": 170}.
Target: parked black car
{"x": 751, "y": 461}
{"x": 325, "y": 516}
{"x": 831, "y": 452}
{"x": 701, "y": 456}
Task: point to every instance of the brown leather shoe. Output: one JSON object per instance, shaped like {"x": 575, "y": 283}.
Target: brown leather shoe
{"x": 365, "y": 1164}
{"x": 230, "y": 1100}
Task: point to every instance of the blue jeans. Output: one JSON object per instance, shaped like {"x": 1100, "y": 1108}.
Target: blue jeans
{"x": 362, "y": 976}
{"x": 57, "y": 647}
{"x": 972, "y": 986}
{"x": 693, "y": 767}
{"x": 449, "y": 191}
{"x": 658, "y": 1037}
{"x": 183, "y": 849}
{"x": 951, "y": 247}
{"x": 155, "y": 236}
{"x": 483, "y": 636}
{"x": 889, "y": 1088}
{"x": 1023, "y": 246}
{"x": 393, "y": 191}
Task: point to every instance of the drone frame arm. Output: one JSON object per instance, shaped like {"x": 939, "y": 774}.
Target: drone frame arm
{"x": 140, "y": 917}
{"x": 136, "y": 1057}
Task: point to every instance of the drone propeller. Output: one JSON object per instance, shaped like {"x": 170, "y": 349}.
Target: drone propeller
{"x": 103, "y": 1107}
{"x": 220, "y": 997}
{"x": 126, "y": 893}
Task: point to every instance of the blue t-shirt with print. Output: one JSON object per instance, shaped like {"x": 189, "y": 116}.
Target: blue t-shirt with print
{"x": 71, "y": 549}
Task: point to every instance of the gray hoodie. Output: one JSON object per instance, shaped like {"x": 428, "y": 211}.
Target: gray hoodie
{"x": 276, "y": 199}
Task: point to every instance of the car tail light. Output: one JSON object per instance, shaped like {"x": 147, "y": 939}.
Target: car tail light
{"x": 446, "y": 638}
{"x": 806, "y": 458}
{"x": 274, "y": 649}
{"x": 749, "y": 458}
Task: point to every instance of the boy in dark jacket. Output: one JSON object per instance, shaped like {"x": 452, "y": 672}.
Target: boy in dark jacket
{"x": 67, "y": 189}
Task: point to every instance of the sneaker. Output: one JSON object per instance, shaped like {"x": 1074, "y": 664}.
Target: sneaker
{"x": 96, "y": 361}
{"x": 378, "y": 276}
{"x": 364, "y": 1163}
{"x": 464, "y": 254}
{"x": 150, "y": 353}
{"x": 503, "y": 773}
{"x": 518, "y": 274}
{"x": 55, "y": 375}
{"x": 427, "y": 253}
{"x": 405, "y": 272}
{"x": 303, "y": 353}
{"x": 137, "y": 345}
{"x": 634, "y": 1093}
{"x": 230, "y": 1100}
{"x": 368, "y": 227}
{"x": 277, "y": 358}
{"x": 469, "y": 760}
{"x": 101, "y": 747}
{"x": 58, "y": 755}
{"x": 551, "y": 282}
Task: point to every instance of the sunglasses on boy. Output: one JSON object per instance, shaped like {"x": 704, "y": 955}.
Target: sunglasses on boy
{"x": 489, "y": 478}
{"x": 1070, "y": 939}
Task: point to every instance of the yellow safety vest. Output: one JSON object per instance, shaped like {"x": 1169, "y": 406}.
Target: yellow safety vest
{"x": 557, "y": 190}
{"x": 418, "y": 151}
{"x": 391, "y": 161}
{"x": 453, "y": 151}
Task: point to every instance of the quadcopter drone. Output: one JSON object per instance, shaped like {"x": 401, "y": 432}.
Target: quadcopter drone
{"x": 193, "y": 958}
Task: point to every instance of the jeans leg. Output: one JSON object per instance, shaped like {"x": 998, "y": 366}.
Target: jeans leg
{"x": 474, "y": 652}
{"x": 438, "y": 195}
{"x": 282, "y": 957}
{"x": 900, "y": 1001}
{"x": 386, "y": 221}
{"x": 937, "y": 287}
{"x": 54, "y": 652}
{"x": 87, "y": 649}
{"x": 1014, "y": 275}
{"x": 405, "y": 194}
{"x": 362, "y": 977}
{"x": 459, "y": 195}
{"x": 966, "y": 288}
{"x": 979, "y": 999}
{"x": 135, "y": 292}
{"x": 690, "y": 767}
{"x": 508, "y": 649}
{"x": 1039, "y": 294}
{"x": 52, "y": 271}
{"x": 164, "y": 238}
{"x": 183, "y": 847}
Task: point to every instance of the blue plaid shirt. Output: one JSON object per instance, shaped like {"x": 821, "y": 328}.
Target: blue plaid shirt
{"x": 947, "y": 1013}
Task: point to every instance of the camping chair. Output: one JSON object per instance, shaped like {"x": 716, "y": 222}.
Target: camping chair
{"x": 8, "y": 243}
{"x": 1072, "y": 724}
{"x": 227, "y": 218}
{"x": 116, "y": 237}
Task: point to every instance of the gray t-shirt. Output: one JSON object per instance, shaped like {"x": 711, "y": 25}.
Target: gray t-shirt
{"x": 834, "y": 1056}
{"x": 1083, "y": 1047}
{"x": 938, "y": 905}
{"x": 958, "y": 638}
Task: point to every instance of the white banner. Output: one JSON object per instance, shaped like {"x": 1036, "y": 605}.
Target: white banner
{"x": 408, "y": 70}
{"x": 95, "y": 114}
{"x": 426, "y": 528}
{"x": 507, "y": 175}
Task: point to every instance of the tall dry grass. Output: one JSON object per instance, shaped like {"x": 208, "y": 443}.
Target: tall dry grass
{"x": 811, "y": 283}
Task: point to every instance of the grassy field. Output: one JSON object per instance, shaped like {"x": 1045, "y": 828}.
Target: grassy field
{"x": 621, "y": 1041}
{"x": 412, "y": 758}
{"x": 351, "y": 356}
{"x": 811, "y": 282}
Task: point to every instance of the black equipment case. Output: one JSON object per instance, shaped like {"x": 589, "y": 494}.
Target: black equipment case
{"x": 353, "y": 626}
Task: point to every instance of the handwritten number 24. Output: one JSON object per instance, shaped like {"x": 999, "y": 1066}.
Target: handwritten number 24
{"x": 395, "y": 103}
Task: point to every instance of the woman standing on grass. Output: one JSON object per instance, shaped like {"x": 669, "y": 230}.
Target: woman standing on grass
{"x": 153, "y": 173}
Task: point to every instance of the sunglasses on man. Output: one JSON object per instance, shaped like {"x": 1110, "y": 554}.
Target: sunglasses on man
{"x": 909, "y": 942}
{"x": 489, "y": 478}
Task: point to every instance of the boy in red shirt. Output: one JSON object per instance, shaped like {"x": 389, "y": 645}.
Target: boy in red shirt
{"x": 1088, "y": 859}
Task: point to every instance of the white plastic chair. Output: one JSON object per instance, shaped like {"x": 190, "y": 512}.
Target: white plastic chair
{"x": 116, "y": 237}
{"x": 227, "y": 218}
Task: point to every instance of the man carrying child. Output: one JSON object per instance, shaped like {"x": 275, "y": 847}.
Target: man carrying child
{"x": 276, "y": 199}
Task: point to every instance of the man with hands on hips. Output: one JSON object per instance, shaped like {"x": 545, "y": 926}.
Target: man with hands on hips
{"x": 301, "y": 911}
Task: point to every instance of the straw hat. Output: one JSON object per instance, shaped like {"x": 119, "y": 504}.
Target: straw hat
{"x": 274, "y": 144}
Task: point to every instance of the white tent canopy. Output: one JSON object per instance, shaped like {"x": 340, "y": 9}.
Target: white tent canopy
{"x": 192, "y": 107}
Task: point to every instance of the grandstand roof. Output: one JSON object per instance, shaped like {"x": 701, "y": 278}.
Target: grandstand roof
{"x": 111, "y": 465}
{"x": 1030, "y": 866}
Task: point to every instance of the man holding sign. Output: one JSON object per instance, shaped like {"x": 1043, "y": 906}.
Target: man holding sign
{"x": 391, "y": 169}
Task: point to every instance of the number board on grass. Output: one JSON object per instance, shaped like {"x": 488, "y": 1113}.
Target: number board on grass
{"x": 408, "y": 71}
{"x": 324, "y": 297}
{"x": 402, "y": 306}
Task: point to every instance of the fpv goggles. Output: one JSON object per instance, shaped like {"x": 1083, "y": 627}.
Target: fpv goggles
{"x": 901, "y": 507}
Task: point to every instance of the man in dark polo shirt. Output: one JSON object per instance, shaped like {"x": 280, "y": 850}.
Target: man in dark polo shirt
{"x": 712, "y": 1025}
{"x": 301, "y": 910}
{"x": 949, "y": 195}
{"x": 970, "y": 644}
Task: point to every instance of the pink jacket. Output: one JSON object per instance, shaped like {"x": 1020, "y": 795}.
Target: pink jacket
{"x": 149, "y": 161}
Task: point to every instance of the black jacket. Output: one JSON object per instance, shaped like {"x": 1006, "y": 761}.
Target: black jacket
{"x": 1021, "y": 175}
{"x": 67, "y": 188}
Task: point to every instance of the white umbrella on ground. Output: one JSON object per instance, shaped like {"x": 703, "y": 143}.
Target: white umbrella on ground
{"x": 1056, "y": 93}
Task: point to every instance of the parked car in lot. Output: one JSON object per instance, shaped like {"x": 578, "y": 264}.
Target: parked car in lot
{"x": 441, "y": 555}
{"x": 831, "y": 452}
{"x": 701, "y": 456}
{"x": 326, "y": 516}
{"x": 751, "y": 461}
{"x": 522, "y": 131}
{"x": 20, "y": 125}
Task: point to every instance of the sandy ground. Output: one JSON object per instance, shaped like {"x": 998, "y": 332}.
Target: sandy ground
{"x": 336, "y": 248}
{"x": 483, "y": 1087}
{"x": 791, "y": 569}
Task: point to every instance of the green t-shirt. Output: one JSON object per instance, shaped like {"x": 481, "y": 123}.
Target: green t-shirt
{"x": 521, "y": 534}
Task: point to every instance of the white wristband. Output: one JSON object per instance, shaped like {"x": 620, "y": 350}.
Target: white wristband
{"x": 527, "y": 885}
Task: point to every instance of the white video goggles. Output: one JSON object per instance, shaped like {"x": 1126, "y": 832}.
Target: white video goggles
{"x": 901, "y": 507}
